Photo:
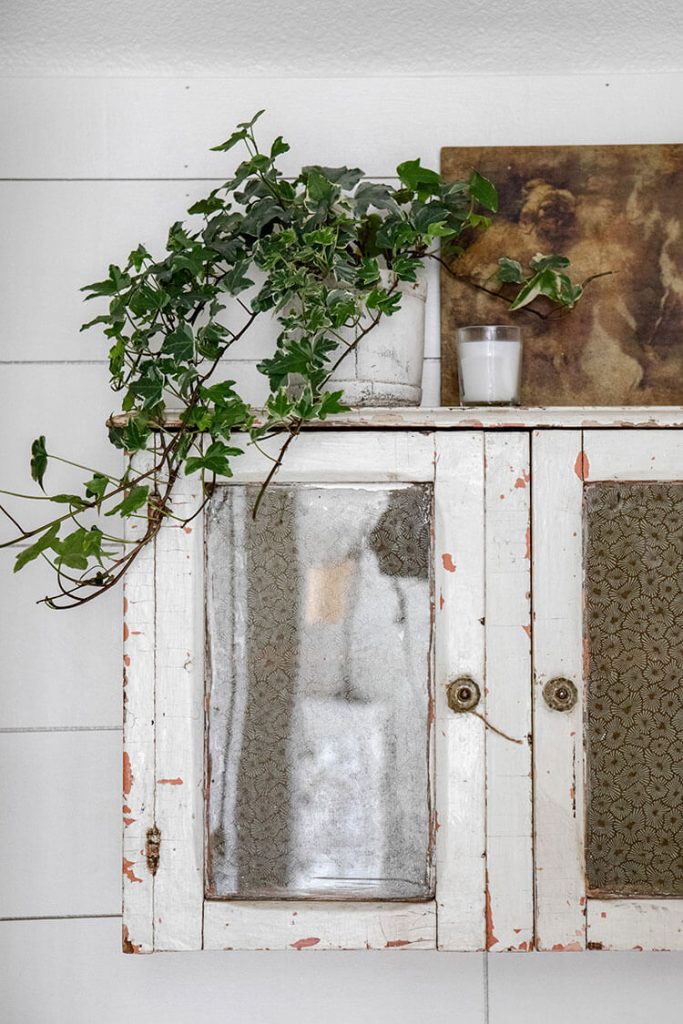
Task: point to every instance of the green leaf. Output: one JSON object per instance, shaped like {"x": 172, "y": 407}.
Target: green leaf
{"x": 96, "y": 487}
{"x": 69, "y": 499}
{"x": 510, "y": 271}
{"x": 331, "y": 402}
{"x": 278, "y": 147}
{"x": 180, "y": 344}
{"x": 133, "y": 501}
{"x": 214, "y": 459}
{"x": 527, "y": 294}
{"x": 484, "y": 191}
{"x": 418, "y": 178}
{"x": 237, "y": 136}
{"x": 540, "y": 262}
{"x": 150, "y": 386}
{"x": 45, "y": 541}
{"x": 39, "y": 459}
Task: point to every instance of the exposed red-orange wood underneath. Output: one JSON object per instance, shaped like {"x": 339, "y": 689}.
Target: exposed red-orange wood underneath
{"x": 126, "y": 945}
{"x": 128, "y": 777}
{"x": 128, "y": 871}
{"x": 527, "y": 630}
{"x": 441, "y": 601}
{"x": 128, "y": 821}
{"x": 582, "y": 466}
{"x": 523, "y": 946}
{"x": 447, "y": 561}
{"x": 126, "y": 660}
{"x": 491, "y": 938}
{"x": 522, "y": 480}
{"x": 187, "y": 529}
{"x": 126, "y": 632}
{"x": 527, "y": 553}
{"x": 395, "y": 943}
{"x": 304, "y": 943}
{"x": 571, "y": 947}
{"x": 430, "y": 711}
{"x": 170, "y": 782}
{"x": 125, "y": 605}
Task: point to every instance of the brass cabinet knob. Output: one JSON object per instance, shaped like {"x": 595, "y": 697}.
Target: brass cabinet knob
{"x": 560, "y": 694}
{"x": 463, "y": 694}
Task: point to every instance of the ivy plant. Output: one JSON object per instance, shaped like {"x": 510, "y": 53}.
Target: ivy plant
{"x": 309, "y": 252}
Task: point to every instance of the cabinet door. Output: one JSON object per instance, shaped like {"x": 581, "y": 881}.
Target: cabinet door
{"x": 608, "y": 659}
{"x": 287, "y": 709}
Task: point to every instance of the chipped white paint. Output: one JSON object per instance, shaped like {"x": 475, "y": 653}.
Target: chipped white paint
{"x": 487, "y": 418}
{"x": 633, "y": 455}
{"x": 309, "y": 925}
{"x": 179, "y": 705}
{"x": 460, "y": 741}
{"x": 482, "y": 548}
{"x": 635, "y": 924}
{"x": 557, "y": 640}
{"x": 567, "y": 916}
{"x": 509, "y": 854}
{"x": 139, "y": 645}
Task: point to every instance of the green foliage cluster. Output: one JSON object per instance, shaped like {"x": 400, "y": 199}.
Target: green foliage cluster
{"x": 309, "y": 251}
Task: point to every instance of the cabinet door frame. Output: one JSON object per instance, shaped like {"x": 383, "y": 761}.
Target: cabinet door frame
{"x": 567, "y": 917}
{"x": 164, "y": 785}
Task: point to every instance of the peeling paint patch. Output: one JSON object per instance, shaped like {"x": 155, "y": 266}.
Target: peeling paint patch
{"x": 126, "y": 660}
{"x": 125, "y": 605}
{"x": 170, "y": 782}
{"x": 582, "y": 466}
{"x": 447, "y": 561}
{"x": 187, "y": 529}
{"x": 441, "y": 601}
{"x": 396, "y": 943}
{"x": 126, "y": 633}
{"x": 128, "y": 866}
{"x": 491, "y": 938}
{"x": 128, "y": 821}
{"x": 128, "y": 777}
{"x": 126, "y": 945}
{"x": 527, "y": 630}
{"x": 522, "y": 480}
{"x": 571, "y": 947}
{"x": 304, "y": 943}
{"x": 527, "y": 552}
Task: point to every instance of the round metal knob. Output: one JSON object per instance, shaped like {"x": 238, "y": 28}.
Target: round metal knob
{"x": 463, "y": 694}
{"x": 560, "y": 694}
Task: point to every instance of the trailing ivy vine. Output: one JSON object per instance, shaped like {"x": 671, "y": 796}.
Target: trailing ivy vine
{"x": 309, "y": 252}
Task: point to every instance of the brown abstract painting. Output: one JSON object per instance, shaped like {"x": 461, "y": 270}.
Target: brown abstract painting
{"x": 607, "y": 208}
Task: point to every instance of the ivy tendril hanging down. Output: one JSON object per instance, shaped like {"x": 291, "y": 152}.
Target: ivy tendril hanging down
{"x": 308, "y": 252}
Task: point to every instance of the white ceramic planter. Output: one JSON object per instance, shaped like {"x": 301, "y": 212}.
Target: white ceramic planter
{"x": 386, "y": 368}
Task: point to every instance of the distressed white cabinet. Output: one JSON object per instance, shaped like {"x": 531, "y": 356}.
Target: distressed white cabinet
{"x": 329, "y": 708}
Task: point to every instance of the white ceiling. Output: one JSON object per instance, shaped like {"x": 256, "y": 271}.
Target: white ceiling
{"x": 339, "y": 37}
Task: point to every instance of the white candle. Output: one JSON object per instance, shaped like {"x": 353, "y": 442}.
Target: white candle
{"x": 489, "y": 366}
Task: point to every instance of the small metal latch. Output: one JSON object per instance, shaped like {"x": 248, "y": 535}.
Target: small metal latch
{"x": 560, "y": 694}
{"x": 463, "y": 694}
{"x": 152, "y": 849}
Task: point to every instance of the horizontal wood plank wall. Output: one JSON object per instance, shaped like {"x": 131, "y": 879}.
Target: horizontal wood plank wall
{"x": 91, "y": 167}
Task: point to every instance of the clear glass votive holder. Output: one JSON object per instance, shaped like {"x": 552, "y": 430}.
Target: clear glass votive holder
{"x": 489, "y": 364}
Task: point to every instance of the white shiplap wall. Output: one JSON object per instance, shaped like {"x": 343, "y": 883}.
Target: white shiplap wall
{"x": 90, "y": 167}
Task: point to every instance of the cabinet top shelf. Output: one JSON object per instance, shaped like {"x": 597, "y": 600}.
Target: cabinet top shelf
{"x": 488, "y": 417}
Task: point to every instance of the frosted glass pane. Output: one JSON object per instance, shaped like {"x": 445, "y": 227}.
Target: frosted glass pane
{"x": 634, "y": 638}
{"x": 319, "y": 620}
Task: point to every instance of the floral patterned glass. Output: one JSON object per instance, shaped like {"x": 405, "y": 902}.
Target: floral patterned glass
{"x": 319, "y": 641}
{"x": 634, "y": 641}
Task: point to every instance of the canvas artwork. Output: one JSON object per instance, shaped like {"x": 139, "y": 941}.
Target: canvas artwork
{"x": 607, "y": 208}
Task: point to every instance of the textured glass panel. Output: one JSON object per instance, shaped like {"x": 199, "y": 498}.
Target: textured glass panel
{"x": 634, "y": 639}
{"x": 319, "y": 619}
